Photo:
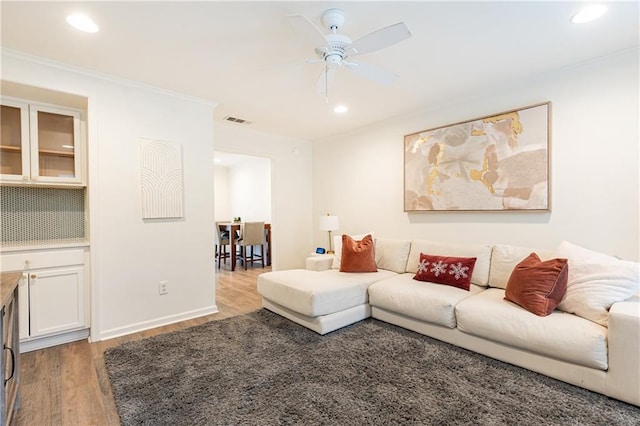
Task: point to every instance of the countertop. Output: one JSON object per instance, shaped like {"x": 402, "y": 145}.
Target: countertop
{"x": 9, "y": 281}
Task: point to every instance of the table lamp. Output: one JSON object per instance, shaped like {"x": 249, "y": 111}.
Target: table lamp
{"x": 329, "y": 223}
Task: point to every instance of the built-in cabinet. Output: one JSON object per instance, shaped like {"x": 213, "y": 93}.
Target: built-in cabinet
{"x": 53, "y": 296}
{"x": 40, "y": 144}
{"x": 44, "y": 216}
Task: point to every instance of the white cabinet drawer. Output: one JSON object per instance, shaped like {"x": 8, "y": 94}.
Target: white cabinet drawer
{"x": 45, "y": 259}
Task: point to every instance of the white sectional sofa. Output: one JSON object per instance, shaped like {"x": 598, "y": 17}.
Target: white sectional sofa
{"x": 602, "y": 355}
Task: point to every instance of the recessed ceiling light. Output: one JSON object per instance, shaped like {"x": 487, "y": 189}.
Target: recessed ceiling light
{"x": 82, "y": 23}
{"x": 589, "y": 13}
{"x": 340, "y": 109}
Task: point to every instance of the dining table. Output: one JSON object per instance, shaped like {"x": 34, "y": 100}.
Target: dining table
{"x": 233, "y": 228}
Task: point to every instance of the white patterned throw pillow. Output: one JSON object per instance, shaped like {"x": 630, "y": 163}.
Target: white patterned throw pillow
{"x": 596, "y": 281}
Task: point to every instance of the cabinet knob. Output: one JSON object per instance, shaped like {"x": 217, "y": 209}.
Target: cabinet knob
{"x": 34, "y": 276}
{"x": 24, "y": 276}
{"x": 27, "y": 262}
{"x": 25, "y": 177}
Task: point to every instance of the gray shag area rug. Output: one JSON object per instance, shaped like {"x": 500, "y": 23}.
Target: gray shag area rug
{"x": 262, "y": 369}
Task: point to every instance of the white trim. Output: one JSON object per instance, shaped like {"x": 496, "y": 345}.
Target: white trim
{"x": 158, "y": 322}
{"x": 93, "y": 213}
{"x": 11, "y": 53}
{"x": 48, "y": 341}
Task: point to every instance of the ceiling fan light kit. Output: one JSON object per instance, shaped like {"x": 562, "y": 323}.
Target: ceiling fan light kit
{"x": 336, "y": 49}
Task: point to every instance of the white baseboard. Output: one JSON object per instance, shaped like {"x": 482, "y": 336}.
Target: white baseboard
{"x": 158, "y": 322}
{"x": 58, "y": 339}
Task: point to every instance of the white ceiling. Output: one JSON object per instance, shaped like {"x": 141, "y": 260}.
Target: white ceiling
{"x": 246, "y": 57}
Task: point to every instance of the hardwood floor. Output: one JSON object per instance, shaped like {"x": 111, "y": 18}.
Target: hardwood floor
{"x": 68, "y": 384}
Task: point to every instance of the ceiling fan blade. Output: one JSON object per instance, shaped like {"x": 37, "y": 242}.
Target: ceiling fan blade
{"x": 303, "y": 26}
{"x": 324, "y": 81}
{"x": 379, "y": 39}
{"x": 372, "y": 72}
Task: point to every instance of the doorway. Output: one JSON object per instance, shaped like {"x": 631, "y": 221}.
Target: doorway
{"x": 242, "y": 190}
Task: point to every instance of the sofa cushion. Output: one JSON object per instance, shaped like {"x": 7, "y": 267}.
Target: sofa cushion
{"x": 315, "y": 293}
{"x": 423, "y": 301}
{"x": 538, "y": 286}
{"x": 596, "y": 281}
{"x": 392, "y": 254}
{"x": 357, "y": 256}
{"x": 481, "y": 252}
{"x": 505, "y": 257}
{"x": 453, "y": 271}
{"x": 560, "y": 335}
{"x": 337, "y": 247}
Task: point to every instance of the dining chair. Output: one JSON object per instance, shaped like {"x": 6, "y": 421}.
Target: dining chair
{"x": 252, "y": 237}
{"x": 222, "y": 241}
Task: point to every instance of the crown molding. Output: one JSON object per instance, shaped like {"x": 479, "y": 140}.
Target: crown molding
{"x": 26, "y": 57}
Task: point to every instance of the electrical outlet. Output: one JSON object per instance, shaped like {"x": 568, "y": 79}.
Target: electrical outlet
{"x": 163, "y": 287}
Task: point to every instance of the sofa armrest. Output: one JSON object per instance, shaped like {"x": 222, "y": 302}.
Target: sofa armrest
{"x": 319, "y": 263}
{"x": 624, "y": 346}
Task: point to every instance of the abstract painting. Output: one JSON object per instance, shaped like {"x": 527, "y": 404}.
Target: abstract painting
{"x": 496, "y": 163}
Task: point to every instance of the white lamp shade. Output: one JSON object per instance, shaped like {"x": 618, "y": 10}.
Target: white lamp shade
{"x": 329, "y": 223}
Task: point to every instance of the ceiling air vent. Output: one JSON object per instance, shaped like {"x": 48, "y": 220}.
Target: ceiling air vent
{"x": 236, "y": 120}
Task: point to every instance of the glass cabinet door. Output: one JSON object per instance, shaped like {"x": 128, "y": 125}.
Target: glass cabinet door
{"x": 54, "y": 145}
{"x": 14, "y": 141}
{"x": 40, "y": 144}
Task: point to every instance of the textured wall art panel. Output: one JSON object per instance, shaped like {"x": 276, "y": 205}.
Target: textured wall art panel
{"x": 162, "y": 175}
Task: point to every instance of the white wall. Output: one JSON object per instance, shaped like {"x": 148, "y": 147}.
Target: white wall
{"x": 291, "y": 181}
{"x": 130, "y": 256}
{"x": 594, "y": 166}
{"x": 250, "y": 189}
{"x": 221, "y": 195}
{"x": 243, "y": 189}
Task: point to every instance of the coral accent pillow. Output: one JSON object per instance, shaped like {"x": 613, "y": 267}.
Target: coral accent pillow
{"x": 538, "y": 286}
{"x": 357, "y": 256}
{"x": 453, "y": 271}
{"x": 337, "y": 246}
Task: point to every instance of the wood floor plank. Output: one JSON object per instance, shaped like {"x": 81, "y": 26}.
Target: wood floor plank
{"x": 81, "y": 396}
{"x": 68, "y": 384}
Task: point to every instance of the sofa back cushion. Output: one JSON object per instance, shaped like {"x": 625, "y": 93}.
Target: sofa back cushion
{"x": 481, "y": 252}
{"x": 392, "y": 254}
{"x": 505, "y": 258}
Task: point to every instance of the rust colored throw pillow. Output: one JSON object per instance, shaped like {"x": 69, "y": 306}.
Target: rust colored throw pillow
{"x": 357, "y": 256}
{"x": 453, "y": 271}
{"x": 538, "y": 286}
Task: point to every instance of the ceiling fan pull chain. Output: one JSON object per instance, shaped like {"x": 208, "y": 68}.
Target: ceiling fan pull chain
{"x": 326, "y": 84}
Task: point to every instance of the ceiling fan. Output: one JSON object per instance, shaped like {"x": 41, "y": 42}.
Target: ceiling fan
{"x": 336, "y": 49}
